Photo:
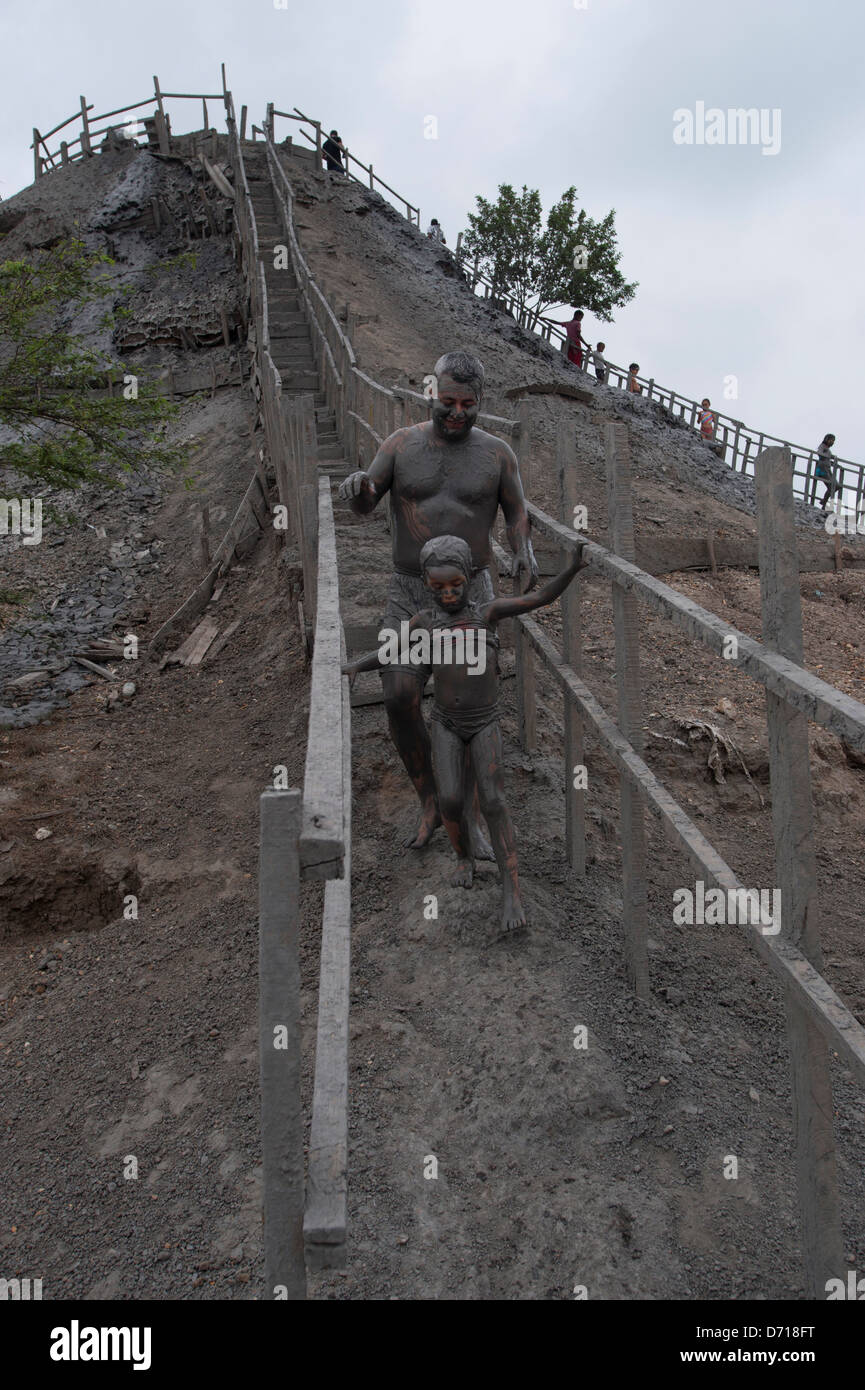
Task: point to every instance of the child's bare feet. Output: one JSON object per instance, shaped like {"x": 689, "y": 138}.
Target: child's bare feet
{"x": 463, "y": 875}
{"x": 513, "y": 916}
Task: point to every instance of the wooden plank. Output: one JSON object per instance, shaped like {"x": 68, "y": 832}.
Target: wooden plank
{"x": 201, "y": 595}
{"x": 322, "y": 840}
{"x": 572, "y": 651}
{"x": 85, "y": 126}
{"x": 279, "y": 1041}
{"x": 197, "y": 643}
{"x": 625, "y": 620}
{"x": 524, "y": 444}
{"x": 525, "y": 672}
{"x": 218, "y": 178}
{"x": 821, "y": 702}
{"x": 833, "y": 1018}
{"x": 324, "y": 1224}
{"x": 309, "y": 497}
{"x": 553, "y": 388}
{"x": 796, "y": 875}
{"x": 527, "y": 717}
{"x": 213, "y": 652}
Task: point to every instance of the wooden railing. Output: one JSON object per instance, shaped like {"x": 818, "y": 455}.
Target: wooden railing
{"x": 738, "y": 445}
{"x": 370, "y": 179}
{"x": 817, "y": 1019}
{"x": 305, "y": 834}
{"x": 68, "y": 151}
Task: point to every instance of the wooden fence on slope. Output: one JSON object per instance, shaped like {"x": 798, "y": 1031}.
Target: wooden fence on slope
{"x": 305, "y": 834}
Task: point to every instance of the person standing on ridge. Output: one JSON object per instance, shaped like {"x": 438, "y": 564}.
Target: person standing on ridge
{"x": 633, "y": 385}
{"x": 825, "y": 470}
{"x": 599, "y": 363}
{"x": 706, "y": 418}
{"x": 333, "y": 149}
{"x": 576, "y": 342}
{"x": 434, "y": 231}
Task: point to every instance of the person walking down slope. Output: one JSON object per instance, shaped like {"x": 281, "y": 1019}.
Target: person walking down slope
{"x": 706, "y": 418}
{"x": 633, "y": 385}
{"x": 434, "y": 231}
{"x": 333, "y": 149}
{"x": 599, "y": 363}
{"x": 576, "y": 342}
{"x": 825, "y": 470}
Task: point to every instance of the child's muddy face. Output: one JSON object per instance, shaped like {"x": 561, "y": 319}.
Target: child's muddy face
{"x": 448, "y": 586}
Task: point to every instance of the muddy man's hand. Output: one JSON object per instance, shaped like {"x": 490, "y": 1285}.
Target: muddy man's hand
{"x": 525, "y": 568}
{"x": 355, "y": 484}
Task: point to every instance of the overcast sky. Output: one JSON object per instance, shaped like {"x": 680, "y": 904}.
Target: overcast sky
{"x": 750, "y": 264}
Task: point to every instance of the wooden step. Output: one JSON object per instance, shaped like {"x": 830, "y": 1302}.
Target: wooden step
{"x": 329, "y": 451}
{"x": 291, "y": 362}
{"x": 280, "y": 328}
{"x": 298, "y": 380}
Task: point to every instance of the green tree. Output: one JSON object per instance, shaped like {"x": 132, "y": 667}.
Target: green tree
{"x": 504, "y": 237}
{"x": 542, "y": 266}
{"x": 65, "y": 430}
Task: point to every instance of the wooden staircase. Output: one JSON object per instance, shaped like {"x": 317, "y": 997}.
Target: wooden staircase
{"x": 290, "y": 339}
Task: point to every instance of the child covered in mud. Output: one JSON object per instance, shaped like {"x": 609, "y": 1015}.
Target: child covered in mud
{"x": 458, "y": 641}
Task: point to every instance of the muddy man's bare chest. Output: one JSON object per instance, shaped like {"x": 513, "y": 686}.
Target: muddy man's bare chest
{"x": 466, "y": 478}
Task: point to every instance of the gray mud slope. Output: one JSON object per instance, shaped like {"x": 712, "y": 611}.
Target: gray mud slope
{"x": 557, "y": 1166}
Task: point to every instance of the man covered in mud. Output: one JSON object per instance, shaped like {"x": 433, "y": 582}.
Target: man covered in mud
{"x": 445, "y": 477}
{"x": 465, "y": 715}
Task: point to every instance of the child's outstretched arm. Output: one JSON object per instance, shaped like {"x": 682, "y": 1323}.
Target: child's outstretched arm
{"x": 501, "y": 608}
{"x": 373, "y": 661}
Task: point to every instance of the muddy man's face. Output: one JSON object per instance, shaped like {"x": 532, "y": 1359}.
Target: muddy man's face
{"x": 448, "y": 585}
{"x": 455, "y": 410}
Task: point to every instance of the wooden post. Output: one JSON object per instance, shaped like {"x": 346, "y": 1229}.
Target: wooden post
{"x": 621, "y": 524}
{"x": 523, "y": 655}
{"x": 371, "y": 178}
{"x": 279, "y": 1042}
{"x": 318, "y": 145}
{"x": 308, "y": 475}
{"x": 159, "y": 117}
{"x": 37, "y": 158}
{"x": 796, "y": 877}
{"x": 745, "y": 453}
{"x": 243, "y": 122}
{"x": 388, "y": 427}
{"x": 206, "y": 123}
{"x": 572, "y": 652}
{"x": 64, "y": 152}
{"x": 524, "y": 442}
{"x": 710, "y": 546}
{"x": 85, "y": 128}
